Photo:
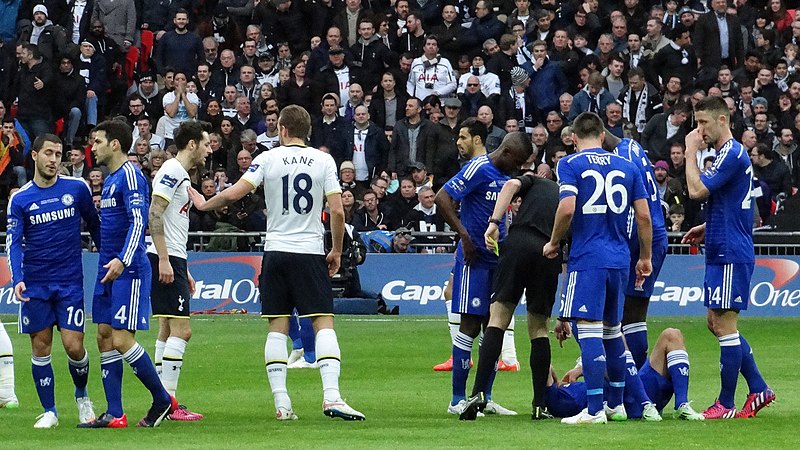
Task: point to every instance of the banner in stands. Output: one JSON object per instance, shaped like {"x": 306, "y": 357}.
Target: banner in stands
{"x": 227, "y": 281}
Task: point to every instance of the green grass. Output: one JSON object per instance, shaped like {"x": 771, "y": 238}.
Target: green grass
{"x": 386, "y": 373}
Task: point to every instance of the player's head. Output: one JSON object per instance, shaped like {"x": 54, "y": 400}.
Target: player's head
{"x": 294, "y": 122}
{"x": 513, "y": 152}
{"x": 471, "y": 136}
{"x": 712, "y": 117}
{"x": 112, "y": 137}
{"x": 46, "y": 153}
{"x": 588, "y": 131}
{"x": 192, "y": 137}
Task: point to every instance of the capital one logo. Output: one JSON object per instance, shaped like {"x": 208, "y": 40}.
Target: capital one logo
{"x": 772, "y": 293}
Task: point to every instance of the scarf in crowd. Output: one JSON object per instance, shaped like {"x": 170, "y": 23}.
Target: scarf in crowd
{"x": 640, "y": 120}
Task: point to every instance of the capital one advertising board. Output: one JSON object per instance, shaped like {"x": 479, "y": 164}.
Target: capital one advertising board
{"x": 416, "y": 283}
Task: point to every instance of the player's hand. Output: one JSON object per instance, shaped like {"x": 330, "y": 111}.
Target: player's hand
{"x": 550, "y": 250}
{"x": 19, "y": 289}
{"x": 192, "y": 287}
{"x": 491, "y": 236}
{"x": 197, "y": 199}
{"x": 115, "y": 268}
{"x": 643, "y": 270}
{"x": 694, "y": 140}
{"x": 334, "y": 259}
{"x": 572, "y": 376}
{"x": 695, "y": 236}
{"x": 469, "y": 250}
{"x": 165, "y": 273}
{"x": 563, "y": 331}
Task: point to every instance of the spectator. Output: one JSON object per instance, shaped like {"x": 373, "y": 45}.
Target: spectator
{"x": 771, "y": 171}
{"x": 349, "y": 205}
{"x": 517, "y": 104}
{"x": 370, "y": 57}
{"x": 365, "y": 145}
{"x": 335, "y": 76}
{"x": 13, "y": 173}
{"x": 669, "y": 189}
{"x": 269, "y": 138}
{"x": 388, "y": 103}
{"x": 639, "y": 99}
{"x": 472, "y": 98}
{"x": 764, "y": 133}
{"x": 179, "y": 48}
{"x": 430, "y": 73}
{"x": 119, "y": 17}
{"x": 420, "y": 176}
{"x": 36, "y": 83}
{"x": 329, "y": 129}
{"x": 247, "y": 85}
{"x": 354, "y": 97}
{"x": 96, "y": 179}
{"x": 413, "y": 38}
{"x": 414, "y": 140}
{"x": 93, "y": 69}
{"x": 547, "y": 80}
{"x": 489, "y": 82}
{"x": 484, "y": 26}
{"x": 369, "y": 217}
{"x": 226, "y": 34}
{"x": 655, "y": 40}
{"x": 349, "y": 19}
{"x": 71, "y": 101}
{"x": 243, "y": 160}
{"x": 76, "y": 167}
{"x": 402, "y": 202}
{"x": 144, "y": 129}
{"x": 786, "y": 149}
{"x": 506, "y": 59}
{"x": 299, "y": 90}
{"x": 613, "y": 122}
{"x": 716, "y": 36}
{"x": 284, "y": 21}
{"x": 179, "y": 106}
{"x": 593, "y": 98}
{"x": 496, "y": 134}
{"x": 152, "y": 100}
{"x": 244, "y": 119}
{"x": 449, "y": 34}
{"x": 425, "y": 218}
{"x": 664, "y": 129}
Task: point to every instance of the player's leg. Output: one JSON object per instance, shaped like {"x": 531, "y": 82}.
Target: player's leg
{"x": 172, "y": 360}
{"x": 71, "y": 317}
{"x": 111, "y": 369}
{"x": 78, "y": 361}
{"x": 462, "y": 350}
{"x": 670, "y": 360}
{"x": 583, "y": 302}
{"x": 634, "y": 327}
{"x": 277, "y": 307}
{"x": 43, "y": 378}
{"x": 453, "y": 324}
{"x": 307, "y": 334}
{"x": 161, "y": 343}
{"x": 130, "y": 298}
{"x": 508, "y": 361}
{"x": 720, "y": 283}
{"x": 541, "y": 293}
{"x": 297, "y": 344}
{"x": 613, "y": 343}
{"x": 8, "y": 398}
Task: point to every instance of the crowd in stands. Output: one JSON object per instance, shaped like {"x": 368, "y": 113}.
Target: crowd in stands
{"x": 388, "y": 83}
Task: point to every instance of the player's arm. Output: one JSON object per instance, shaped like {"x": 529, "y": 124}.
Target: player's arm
{"x": 223, "y": 198}
{"x": 156, "y": 220}
{"x": 564, "y": 213}
{"x": 510, "y": 189}
{"x": 697, "y": 189}
{"x": 644, "y": 223}
{"x": 135, "y": 198}
{"x": 446, "y": 205}
{"x": 14, "y": 235}
{"x": 337, "y": 232}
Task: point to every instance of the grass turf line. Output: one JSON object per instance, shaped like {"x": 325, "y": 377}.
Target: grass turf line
{"x": 386, "y": 374}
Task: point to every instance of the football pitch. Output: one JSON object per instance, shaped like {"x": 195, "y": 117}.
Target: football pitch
{"x": 386, "y": 374}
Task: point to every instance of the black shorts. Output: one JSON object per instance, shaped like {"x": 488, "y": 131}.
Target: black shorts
{"x": 521, "y": 268}
{"x": 295, "y": 280}
{"x": 170, "y": 300}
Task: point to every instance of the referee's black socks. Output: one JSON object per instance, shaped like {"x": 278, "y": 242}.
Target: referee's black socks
{"x": 540, "y": 368}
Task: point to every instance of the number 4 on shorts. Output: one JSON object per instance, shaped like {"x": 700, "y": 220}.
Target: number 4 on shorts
{"x": 121, "y": 314}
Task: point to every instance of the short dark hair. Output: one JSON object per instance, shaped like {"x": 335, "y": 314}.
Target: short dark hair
{"x": 765, "y": 151}
{"x": 296, "y": 121}
{"x": 475, "y": 128}
{"x": 587, "y": 125}
{"x": 715, "y": 106}
{"x": 681, "y": 107}
{"x": 38, "y": 143}
{"x": 117, "y": 130}
{"x": 191, "y": 130}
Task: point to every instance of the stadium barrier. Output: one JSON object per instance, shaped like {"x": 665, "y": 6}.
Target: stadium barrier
{"x": 416, "y": 283}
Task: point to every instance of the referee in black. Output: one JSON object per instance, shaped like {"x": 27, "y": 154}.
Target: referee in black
{"x": 521, "y": 267}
